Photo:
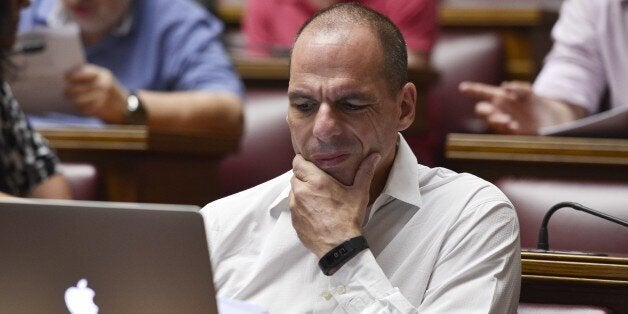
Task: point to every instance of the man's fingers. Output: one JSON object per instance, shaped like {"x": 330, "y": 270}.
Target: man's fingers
{"x": 521, "y": 90}
{"x": 365, "y": 173}
{"x": 74, "y": 90}
{"x": 500, "y": 122}
{"x": 84, "y": 74}
{"x": 302, "y": 169}
{"x": 480, "y": 90}
{"x": 484, "y": 108}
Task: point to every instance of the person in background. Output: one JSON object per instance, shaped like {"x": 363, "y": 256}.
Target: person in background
{"x": 271, "y": 25}
{"x": 589, "y": 57}
{"x": 159, "y": 62}
{"x": 28, "y": 167}
{"x": 357, "y": 225}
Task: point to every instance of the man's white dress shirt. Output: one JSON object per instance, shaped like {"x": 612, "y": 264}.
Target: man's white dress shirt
{"x": 440, "y": 242}
{"x": 590, "y": 54}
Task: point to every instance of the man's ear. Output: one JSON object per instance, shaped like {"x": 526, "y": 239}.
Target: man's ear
{"x": 407, "y": 102}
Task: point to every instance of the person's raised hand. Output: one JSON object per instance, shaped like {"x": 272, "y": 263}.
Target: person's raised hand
{"x": 511, "y": 108}
{"x": 324, "y": 211}
{"x": 96, "y": 92}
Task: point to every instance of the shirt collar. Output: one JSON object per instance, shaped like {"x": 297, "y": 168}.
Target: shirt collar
{"x": 402, "y": 183}
{"x": 403, "y": 179}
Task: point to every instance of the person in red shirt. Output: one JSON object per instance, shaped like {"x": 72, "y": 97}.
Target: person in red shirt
{"x": 271, "y": 25}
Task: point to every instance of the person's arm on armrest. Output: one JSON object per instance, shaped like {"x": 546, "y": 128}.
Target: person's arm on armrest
{"x": 513, "y": 107}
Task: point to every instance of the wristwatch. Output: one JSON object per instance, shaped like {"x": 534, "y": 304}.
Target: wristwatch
{"x": 335, "y": 258}
{"x": 135, "y": 112}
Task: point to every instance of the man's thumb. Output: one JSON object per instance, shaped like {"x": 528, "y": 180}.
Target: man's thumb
{"x": 365, "y": 173}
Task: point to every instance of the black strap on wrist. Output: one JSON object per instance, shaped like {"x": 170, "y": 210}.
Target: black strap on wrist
{"x": 342, "y": 253}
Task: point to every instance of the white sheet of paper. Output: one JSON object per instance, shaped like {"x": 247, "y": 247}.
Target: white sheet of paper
{"x": 39, "y": 81}
{"x": 610, "y": 123}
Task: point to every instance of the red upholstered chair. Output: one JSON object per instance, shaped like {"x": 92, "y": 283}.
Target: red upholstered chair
{"x": 84, "y": 180}
{"x": 464, "y": 56}
{"x": 458, "y": 56}
{"x": 265, "y": 149}
{"x": 569, "y": 229}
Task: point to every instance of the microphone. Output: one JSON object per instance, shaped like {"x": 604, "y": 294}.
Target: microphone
{"x": 543, "y": 235}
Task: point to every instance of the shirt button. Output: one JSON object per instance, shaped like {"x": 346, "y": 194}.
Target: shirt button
{"x": 341, "y": 289}
{"x": 327, "y": 295}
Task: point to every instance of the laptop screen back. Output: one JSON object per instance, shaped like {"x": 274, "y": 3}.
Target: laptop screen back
{"x": 131, "y": 258}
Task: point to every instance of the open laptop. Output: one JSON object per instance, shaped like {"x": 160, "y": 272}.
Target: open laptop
{"x": 59, "y": 256}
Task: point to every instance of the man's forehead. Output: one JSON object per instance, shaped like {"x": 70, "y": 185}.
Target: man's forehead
{"x": 330, "y": 33}
{"x": 359, "y": 41}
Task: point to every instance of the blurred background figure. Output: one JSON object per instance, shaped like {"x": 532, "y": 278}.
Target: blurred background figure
{"x": 271, "y": 25}
{"x": 28, "y": 167}
{"x": 589, "y": 58}
{"x": 159, "y": 62}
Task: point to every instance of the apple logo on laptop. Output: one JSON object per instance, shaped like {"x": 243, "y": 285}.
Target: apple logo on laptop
{"x": 80, "y": 299}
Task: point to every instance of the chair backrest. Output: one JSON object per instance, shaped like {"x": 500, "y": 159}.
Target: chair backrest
{"x": 265, "y": 149}
{"x": 569, "y": 229}
{"x": 464, "y": 56}
{"x": 457, "y": 56}
{"x": 83, "y": 179}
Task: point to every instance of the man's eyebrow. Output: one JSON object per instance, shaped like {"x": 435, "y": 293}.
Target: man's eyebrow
{"x": 359, "y": 96}
{"x": 298, "y": 95}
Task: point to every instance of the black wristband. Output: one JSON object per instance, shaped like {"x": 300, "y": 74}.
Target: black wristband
{"x": 342, "y": 253}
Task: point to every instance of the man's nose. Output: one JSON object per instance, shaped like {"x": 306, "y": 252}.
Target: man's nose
{"x": 326, "y": 122}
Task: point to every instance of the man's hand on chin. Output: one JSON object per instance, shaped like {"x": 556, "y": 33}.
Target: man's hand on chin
{"x": 325, "y": 212}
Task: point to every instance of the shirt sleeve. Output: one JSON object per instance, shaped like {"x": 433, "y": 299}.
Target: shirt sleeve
{"x": 478, "y": 271}
{"x": 25, "y": 158}
{"x": 573, "y": 70}
{"x": 198, "y": 56}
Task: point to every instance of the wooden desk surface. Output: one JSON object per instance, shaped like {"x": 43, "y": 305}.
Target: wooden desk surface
{"x": 124, "y": 138}
{"x": 136, "y": 165}
{"x": 492, "y": 156}
{"x": 575, "y": 279}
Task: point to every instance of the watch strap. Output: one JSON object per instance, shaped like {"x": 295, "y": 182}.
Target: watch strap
{"x": 330, "y": 262}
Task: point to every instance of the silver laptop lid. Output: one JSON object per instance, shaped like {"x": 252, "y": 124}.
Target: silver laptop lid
{"x": 126, "y": 257}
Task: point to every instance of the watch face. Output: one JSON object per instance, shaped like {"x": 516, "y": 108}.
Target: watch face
{"x": 135, "y": 111}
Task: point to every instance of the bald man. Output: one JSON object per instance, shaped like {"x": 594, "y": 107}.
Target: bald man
{"x": 357, "y": 225}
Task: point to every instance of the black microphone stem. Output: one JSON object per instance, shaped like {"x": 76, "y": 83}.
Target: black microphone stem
{"x": 543, "y": 235}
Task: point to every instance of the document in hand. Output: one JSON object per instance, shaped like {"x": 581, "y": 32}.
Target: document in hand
{"x": 43, "y": 57}
{"x": 611, "y": 123}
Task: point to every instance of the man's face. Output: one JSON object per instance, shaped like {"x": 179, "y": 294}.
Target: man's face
{"x": 96, "y": 16}
{"x": 7, "y": 38}
{"x": 341, "y": 108}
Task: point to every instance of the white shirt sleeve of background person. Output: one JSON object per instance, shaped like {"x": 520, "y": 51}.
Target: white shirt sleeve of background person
{"x": 574, "y": 71}
{"x": 478, "y": 270}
